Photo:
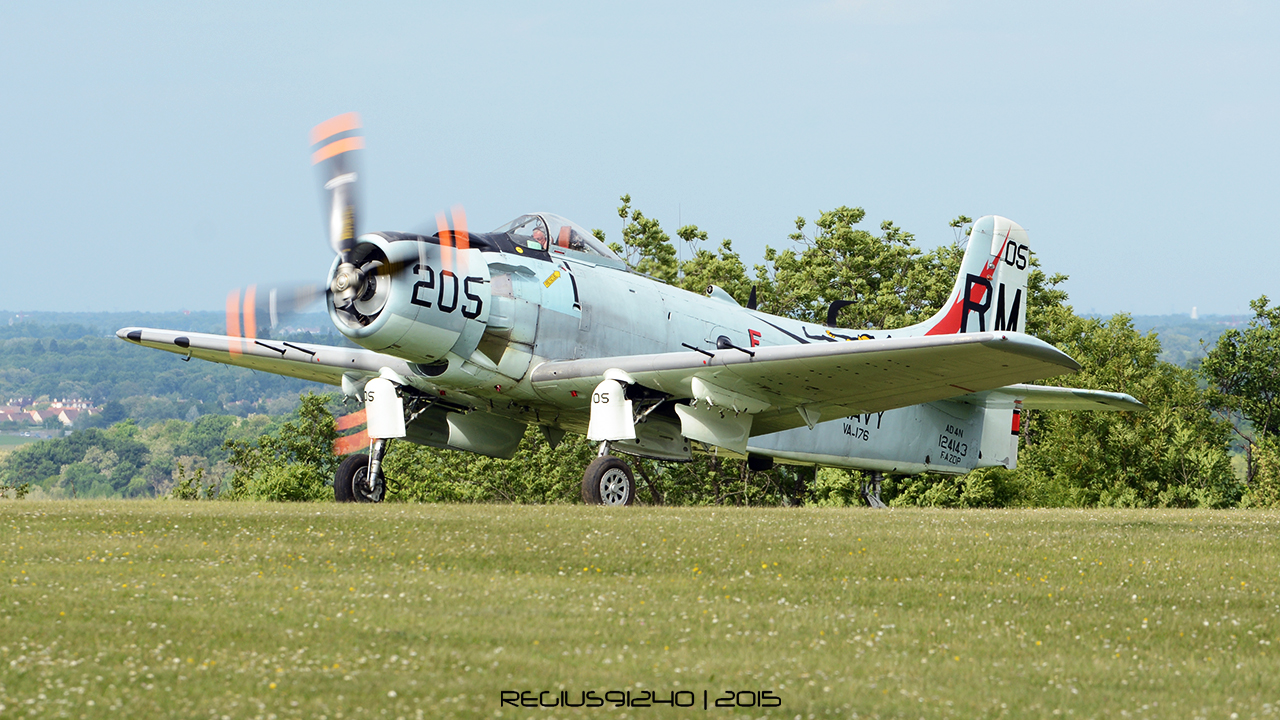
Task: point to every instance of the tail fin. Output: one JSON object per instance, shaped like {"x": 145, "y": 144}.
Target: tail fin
{"x": 990, "y": 293}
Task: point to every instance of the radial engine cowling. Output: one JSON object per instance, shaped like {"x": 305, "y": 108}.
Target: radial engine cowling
{"x": 414, "y": 299}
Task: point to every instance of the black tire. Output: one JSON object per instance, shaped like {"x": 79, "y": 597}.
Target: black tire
{"x": 349, "y": 482}
{"x": 608, "y": 481}
{"x": 346, "y": 473}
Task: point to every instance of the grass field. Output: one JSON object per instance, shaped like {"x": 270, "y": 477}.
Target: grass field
{"x": 9, "y": 442}
{"x": 169, "y": 609}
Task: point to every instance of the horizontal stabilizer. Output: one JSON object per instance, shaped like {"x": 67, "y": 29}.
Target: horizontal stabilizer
{"x": 1040, "y": 397}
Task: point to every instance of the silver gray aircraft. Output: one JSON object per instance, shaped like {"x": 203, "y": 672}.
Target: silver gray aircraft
{"x": 470, "y": 337}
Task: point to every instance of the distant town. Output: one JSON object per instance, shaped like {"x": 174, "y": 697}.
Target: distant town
{"x": 21, "y": 413}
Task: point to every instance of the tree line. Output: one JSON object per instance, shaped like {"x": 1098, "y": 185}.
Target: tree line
{"x": 1209, "y": 439}
{"x": 76, "y": 355}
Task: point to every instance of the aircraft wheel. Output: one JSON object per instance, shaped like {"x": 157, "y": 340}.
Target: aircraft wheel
{"x": 349, "y": 483}
{"x": 608, "y": 481}
{"x": 342, "y": 478}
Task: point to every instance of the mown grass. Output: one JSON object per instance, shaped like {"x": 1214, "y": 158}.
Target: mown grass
{"x": 167, "y": 609}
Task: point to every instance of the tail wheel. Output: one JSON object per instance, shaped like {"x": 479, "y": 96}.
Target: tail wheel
{"x": 350, "y": 483}
{"x": 608, "y": 481}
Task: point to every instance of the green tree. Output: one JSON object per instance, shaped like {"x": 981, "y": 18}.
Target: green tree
{"x": 843, "y": 262}
{"x": 1174, "y": 455}
{"x": 649, "y": 250}
{"x": 645, "y": 245}
{"x": 723, "y": 267}
{"x": 1243, "y": 370}
{"x": 295, "y": 462}
{"x": 1264, "y": 485}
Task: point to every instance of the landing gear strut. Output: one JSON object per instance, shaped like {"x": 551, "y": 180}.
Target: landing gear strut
{"x": 871, "y": 489}
{"x": 359, "y": 477}
{"x": 608, "y": 481}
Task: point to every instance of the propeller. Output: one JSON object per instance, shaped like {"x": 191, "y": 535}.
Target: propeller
{"x": 455, "y": 240}
{"x": 360, "y": 280}
{"x": 334, "y": 146}
{"x": 256, "y": 309}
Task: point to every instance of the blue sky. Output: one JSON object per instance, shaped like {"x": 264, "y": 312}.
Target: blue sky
{"x": 158, "y": 153}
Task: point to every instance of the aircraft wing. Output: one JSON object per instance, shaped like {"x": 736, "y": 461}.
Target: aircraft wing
{"x": 791, "y": 385}
{"x": 1040, "y": 397}
{"x": 320, "y": 363}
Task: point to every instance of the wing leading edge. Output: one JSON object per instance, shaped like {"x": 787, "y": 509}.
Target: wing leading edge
{"x": 307, "y": 361}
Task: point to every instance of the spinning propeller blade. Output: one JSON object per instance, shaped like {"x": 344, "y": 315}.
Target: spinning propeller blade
{"x": 334, "y": 152}
{"x": 454, "y": 241}
{"x": 334, "y": 143}
{"x": 255, "y": 309}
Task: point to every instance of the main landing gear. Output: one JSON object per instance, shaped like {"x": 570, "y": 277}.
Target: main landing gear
{"x": 608, "y": 481}
{"x": 871, "y": 489}
{"x": 359, "y": 477}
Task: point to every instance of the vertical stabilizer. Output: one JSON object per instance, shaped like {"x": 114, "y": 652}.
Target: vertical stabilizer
{"x": 990, "y": 293}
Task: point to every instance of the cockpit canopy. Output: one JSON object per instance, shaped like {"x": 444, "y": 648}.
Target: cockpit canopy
{"x": 556, "y": 235}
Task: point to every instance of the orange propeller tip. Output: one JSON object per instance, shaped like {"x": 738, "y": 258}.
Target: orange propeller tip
{"x": 337, "y": 147}
{"x": 345, "y": 122}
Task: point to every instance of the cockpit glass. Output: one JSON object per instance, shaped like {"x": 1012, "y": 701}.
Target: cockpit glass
{"x": 555, "y": 234}
{"x": 528, "y": 231}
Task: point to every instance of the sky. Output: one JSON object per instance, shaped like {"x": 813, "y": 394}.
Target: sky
{"x": 158, "y": 153}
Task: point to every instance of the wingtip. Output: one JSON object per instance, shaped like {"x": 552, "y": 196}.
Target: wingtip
{"x": 1034, "y": 346}
{"x": 130, "y": 334}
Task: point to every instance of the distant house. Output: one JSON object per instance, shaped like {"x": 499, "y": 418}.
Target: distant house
{"x": 39, "y": 416}
{"x": 71, "y": 403}
{"x": 66, "y": 410}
